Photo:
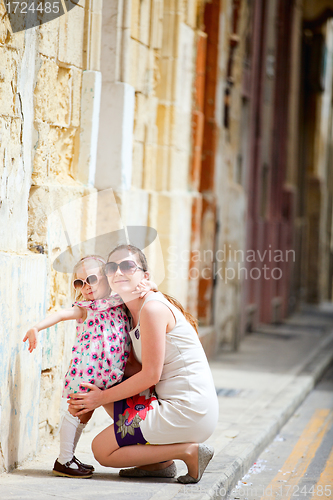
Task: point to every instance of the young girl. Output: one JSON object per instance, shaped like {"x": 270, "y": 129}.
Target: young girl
{"x": 100, "y": 352}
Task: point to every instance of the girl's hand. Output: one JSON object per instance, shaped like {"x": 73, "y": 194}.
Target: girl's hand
{"x": 31, "y": 335}
{"x": 144, "y": 287}
{"x": 83, "y": 402}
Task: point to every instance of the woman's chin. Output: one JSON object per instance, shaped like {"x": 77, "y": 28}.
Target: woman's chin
{"x": 123, "y": 289}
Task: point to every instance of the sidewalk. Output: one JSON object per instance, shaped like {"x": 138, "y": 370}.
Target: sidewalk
{"x": 259, "y": 388}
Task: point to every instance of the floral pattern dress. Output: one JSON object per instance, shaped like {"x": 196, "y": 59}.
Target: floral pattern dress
{"x": 101, "y": 348}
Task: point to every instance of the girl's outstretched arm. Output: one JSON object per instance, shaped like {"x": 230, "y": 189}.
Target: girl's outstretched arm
{"x": 62, "y": 315}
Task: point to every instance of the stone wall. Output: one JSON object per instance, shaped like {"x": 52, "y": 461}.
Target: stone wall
{"x": 145, "y": 141}
{"x": 47, "y": 125}
{"x": 102, "y": 99}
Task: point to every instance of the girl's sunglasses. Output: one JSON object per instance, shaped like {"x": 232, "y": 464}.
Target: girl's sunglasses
{"x": 91, "y": 280}
{"x": 126, "y": 267}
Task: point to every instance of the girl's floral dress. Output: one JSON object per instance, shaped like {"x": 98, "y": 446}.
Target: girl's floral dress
{"x": 101, "y": 348}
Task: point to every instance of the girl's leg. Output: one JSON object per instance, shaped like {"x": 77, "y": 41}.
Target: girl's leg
{"x": 84, "y": 419}
{"x": 108, "y": 453}
{"x": 70, "y": 432}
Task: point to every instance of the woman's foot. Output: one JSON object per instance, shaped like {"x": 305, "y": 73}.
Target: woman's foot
{"x": 199, "y": 457}
{"x": 166, "y": 469}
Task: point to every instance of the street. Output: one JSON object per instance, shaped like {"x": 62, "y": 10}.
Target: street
{"x": 299, "y": 462}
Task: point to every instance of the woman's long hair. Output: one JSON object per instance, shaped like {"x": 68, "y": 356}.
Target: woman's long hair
{"x": 143, "y": 261}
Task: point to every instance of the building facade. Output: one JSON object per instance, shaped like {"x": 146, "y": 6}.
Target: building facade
{"x": 211, "y": 121}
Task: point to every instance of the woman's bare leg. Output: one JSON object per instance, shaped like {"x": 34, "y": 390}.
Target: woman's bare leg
{"x": 157, "y": 466}
{"x": 108, "y": 453}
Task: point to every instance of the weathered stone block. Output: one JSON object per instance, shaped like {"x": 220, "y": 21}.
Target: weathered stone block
{"x": 111, "y": 42}
{"x": 14, "y": 186}
{"x": 170, "y": 214}
{"x": 169, "y": 34}
{"x": 142, "y": 76}
{"x": 53, "y": 94}
{"x": 139, "y": 117}
{"x": 180, "y": 128}
{"x": 133, "y": 206}
{"x": 4, "y": 24}
{"x": 114, "y": 152}
{"x": 134, "y": 63}
{"x": 149, "y": 171}
{"x": 20, "y": 370}
{"x": 178, "y": 170}
{"x": 135, "y": 19}
{"x": 76, "y": 76}
{"x": 89, "y": 105}
{"x": 185, "y": 68}
{"x": 48, "y": 38}
{"x": 165, "y": 86}
{"x": 163, "y": 124}
{"x": 197, "y": 136}
{"x": 194, "y": 265}
{"x": 171, "y": 5}
{"x": 54, "y": 153}
{"x": 94, "y": 61}
{"x": 150, "y": 163}
{"x": 156, "y": 24}
{"x": 137, "y": 168}
{"x": 144, "y": 29}
{"x": 9, "y": 61}
{"x": 162, "y": 168}
{"x": 191, "y": 13}
{"x": 71, "y": 29}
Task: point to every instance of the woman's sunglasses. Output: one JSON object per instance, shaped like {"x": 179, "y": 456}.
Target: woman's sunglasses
{"x": 91, "y": 280}
{"x": 126, "y": 267}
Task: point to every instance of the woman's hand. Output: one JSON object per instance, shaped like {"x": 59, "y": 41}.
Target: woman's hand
{"x": 82, "y": 402}
{"x": 31, "y": 335}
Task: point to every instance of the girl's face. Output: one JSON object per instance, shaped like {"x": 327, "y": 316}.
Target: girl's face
{"x": 125, "y": 283}
{"x": 93, "y": 292}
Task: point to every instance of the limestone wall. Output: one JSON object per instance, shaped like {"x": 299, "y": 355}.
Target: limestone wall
{"x": 144, "y": 149}
{"x": 102, "y": 99}
{"x": 47, "y": 125}
{"x": 231, "y": 171}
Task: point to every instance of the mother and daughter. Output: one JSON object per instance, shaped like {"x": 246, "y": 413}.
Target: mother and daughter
{"x": 137, "y": 353}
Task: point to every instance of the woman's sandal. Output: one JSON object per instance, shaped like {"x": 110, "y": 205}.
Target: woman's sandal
{"x": 170, "y": 471}
{"x": 205, "y": 454}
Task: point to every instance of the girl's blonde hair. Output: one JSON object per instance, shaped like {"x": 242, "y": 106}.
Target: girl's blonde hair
{"x": 78, "y": 297}
{"x": 143, "y": 261}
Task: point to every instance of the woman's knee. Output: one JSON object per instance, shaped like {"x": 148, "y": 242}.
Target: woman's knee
{"x": 97, "y": 449}
{"x": 103, "y": 445}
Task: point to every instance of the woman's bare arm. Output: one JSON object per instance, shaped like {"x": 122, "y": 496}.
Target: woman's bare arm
{"x": 132, "y": 366}
{"x": 153, "y": 325}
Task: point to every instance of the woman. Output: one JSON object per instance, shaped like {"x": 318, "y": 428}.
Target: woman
{"x": 181, "y": 411}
